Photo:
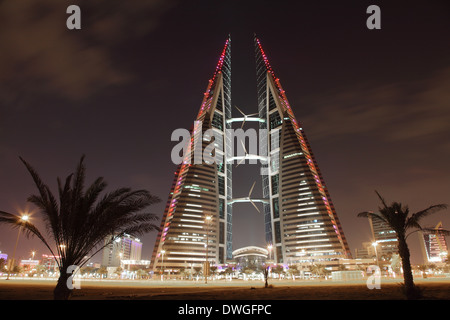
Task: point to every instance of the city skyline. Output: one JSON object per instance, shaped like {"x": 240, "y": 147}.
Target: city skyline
{"x": 373, "y": 102}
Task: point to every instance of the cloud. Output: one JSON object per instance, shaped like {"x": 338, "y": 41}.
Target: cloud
{"x": 40, "y": 55}
{"x": 396, "y": 112}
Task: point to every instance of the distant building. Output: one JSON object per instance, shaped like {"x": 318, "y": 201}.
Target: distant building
{"x": 384, "y": 236}
{"x": 250, "y": 257}
{"x": 4, "y": 256}
{"x": 124, "y": 248}
{"x": 434, "y": 246}
{"x": 366, "y": 252}
{"x": 133, "y": 264}
{"x": 29, "y": 264}
{"x": 94, "y": 265}
{"x": 49, "y": 262}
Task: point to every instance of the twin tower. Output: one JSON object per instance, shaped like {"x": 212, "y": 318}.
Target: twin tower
{"x": 301, "y": 224}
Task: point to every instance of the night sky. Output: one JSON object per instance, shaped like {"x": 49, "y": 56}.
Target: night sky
{"x": 375, "y": 104}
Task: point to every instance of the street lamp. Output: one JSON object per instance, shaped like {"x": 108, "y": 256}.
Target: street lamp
{"x": 23, "y": 219}
{"x": 269, "y": 247}
{"x": 208, "y": 222}
{"x": 375, "y": 243}
{"x": 121, "y": 260}
{"x": 162, "y": 264}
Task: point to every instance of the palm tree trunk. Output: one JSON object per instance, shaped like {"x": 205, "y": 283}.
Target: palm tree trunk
{"x": 403, "y": 250}
{"x": 62, "y": 290}
{"x": 266, "y": 277}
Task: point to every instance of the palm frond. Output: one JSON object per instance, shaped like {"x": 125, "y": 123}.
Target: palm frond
{"x": 44, "y": 201}
{"x": 138, "y": 230}
{"x": 64, "y": 192}
{"x": 412, "y": 224}
{"x": 371, "y": 214}
{"x": 11, "y": 219}
{"x": 78, "y": 182}
{"x": 381, "y": 199}
{"x": 414, "y": 220}
{"x": 93, "y": 192}
{"x": 82, "y": 219}
{"x": 387, "y": 212}
{"x": 27, "y": 227}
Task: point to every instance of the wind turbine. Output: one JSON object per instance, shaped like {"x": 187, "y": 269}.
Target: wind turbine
{"x": 246, "y": 153}
{"x": 245, "y": 116}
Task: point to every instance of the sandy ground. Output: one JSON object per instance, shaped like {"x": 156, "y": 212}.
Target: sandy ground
{"x": 16, "y": 289}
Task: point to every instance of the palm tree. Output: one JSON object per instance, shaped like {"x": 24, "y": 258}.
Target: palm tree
{"x": 118, "y": 271}
{"x": 103, "y": 272}
{"x": 400, "y": 220}
{"x": 2, "y": 264}
{"x": 278, "y": 270}
{"x": 141, "y": 273}
{"x": 293, "y": 271}
{"x": 423, "y": 268}
{"x": 198, "y": 271}
{"x": 318, "y": 269}
{"x": 214, "y": 270}
{"x": 266, "y": 277}
{"x": 80, "y": 221}
{"x": 228, "y": 271}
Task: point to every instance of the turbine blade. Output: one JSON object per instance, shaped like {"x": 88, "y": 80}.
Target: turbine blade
{"x": 255, "y": 206}
{"x": 246, "y": 153}
{"x": 251, "y": 189}
{"x": 243, "y": 122}
{"x": 243, "y": 159}
{"x": 243, "y": 146}
{"x": 240, "y": 111}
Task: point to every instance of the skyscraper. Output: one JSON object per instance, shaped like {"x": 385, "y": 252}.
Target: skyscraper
{"x": 384, "y": 236}
{"x": 434, "y": 245}
{"x": 123, "y": 248}
{"x": 197, "y": 220}
{"x": 300, "y": 219}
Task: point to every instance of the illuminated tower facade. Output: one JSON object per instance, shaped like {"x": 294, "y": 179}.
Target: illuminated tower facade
{"x": 434, "y": 245}
{"x": 124, "y": 248}
{"x": 384, "y": 236}
{"x": 300, "y": 219}
{"x": 196, "y": 225}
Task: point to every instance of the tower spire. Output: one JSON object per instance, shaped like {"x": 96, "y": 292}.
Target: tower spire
{"x": 300, "y": 220}
{"x": 196, "y": 212}
{"x": 294, "y": 183}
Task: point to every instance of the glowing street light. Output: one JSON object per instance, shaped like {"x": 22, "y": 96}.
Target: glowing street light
{"x": 269, "y": 247}
{"x": 62, "y": 249}
{"x": 162, "y": 264}
{"x": 375, "y": 244}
